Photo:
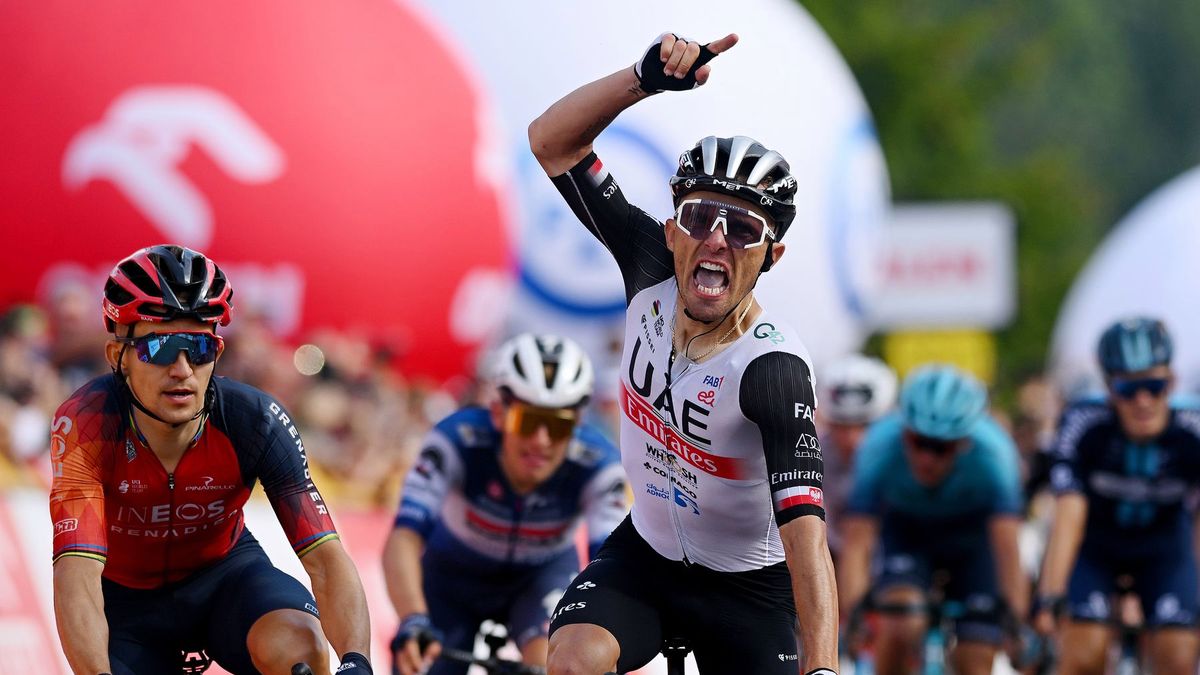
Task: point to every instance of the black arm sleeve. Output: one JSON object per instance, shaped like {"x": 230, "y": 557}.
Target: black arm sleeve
{"x": 633, "y": 236}
{"x": 777, "y": 395}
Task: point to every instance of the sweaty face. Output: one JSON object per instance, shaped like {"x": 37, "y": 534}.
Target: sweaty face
{"x": 713, "y": 276}
{"x": 173, "y": 392}
{"x": 531, "y": 449}
{"x": 1142, "y": 401}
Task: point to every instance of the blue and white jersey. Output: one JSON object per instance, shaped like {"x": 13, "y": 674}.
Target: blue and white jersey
{"x": 458, "y": 499}
{"x": 983, "y": 483}
{"x": 1137, "y": 493}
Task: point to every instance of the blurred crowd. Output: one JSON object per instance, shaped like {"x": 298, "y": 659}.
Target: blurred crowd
{"x": 362, "y": 419}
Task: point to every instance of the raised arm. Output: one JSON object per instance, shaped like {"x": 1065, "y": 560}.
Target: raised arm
{"x": 562, "y": 136}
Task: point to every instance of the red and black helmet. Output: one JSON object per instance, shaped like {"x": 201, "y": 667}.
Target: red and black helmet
{"x": 166, "y": 282}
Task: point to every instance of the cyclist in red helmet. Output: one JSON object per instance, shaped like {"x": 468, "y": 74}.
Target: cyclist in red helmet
{"x": 152, "y": 466}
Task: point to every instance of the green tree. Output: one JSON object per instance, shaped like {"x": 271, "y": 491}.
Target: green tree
{"x": 1068, "y": 111}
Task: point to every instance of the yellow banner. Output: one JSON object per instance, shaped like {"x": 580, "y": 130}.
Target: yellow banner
{"x": 971, "y": 350}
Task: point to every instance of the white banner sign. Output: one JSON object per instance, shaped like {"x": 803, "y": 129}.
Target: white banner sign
{"x": 947, "y": 265}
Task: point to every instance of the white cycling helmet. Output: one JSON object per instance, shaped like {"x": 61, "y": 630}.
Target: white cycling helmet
{"x": 547, "y": 371}
{"x": 856, "y": 389}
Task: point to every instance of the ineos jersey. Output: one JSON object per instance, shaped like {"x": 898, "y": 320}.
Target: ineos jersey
{"x": 1135, "y": 491}
{"x": 719, "y": 453}
{"x": 458, "y": 499}
{"x": 113, "y": 501}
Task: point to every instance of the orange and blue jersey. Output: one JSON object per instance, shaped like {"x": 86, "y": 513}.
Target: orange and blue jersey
{"x": 113, "y": 501}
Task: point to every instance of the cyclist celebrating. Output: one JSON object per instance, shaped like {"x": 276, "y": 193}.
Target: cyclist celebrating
{"x": 936, "y": 483}
{"x": 717, "y": 405}
{"x": 855, "y": 391}
{"x": 152, "y": 466}
{"x": 1123, "y": 469}
{"x": 494, "y": 503}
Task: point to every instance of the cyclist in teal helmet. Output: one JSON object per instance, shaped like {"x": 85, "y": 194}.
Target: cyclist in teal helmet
{"x": 939, "y": 464}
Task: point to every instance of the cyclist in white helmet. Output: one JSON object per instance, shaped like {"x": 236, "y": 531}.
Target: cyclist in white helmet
{"x": 726, "y": 539}
{"x": 854, "y": 391}
{"x": 487, "y": 522}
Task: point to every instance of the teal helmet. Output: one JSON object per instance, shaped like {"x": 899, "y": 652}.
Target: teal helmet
{"x": 941, "y": 401}
{"x": 1134, "y": 344}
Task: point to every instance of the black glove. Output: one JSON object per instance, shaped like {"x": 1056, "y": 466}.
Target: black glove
{"x": 649, "y": 69}
{"x": 416, "y": 627}
{"x": 354, "y": 663}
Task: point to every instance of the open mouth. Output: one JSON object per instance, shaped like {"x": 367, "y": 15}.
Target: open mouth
{"x": 534, "y": 460}
{"x": 710, "y": 279}
{"x": 179, "y": 395}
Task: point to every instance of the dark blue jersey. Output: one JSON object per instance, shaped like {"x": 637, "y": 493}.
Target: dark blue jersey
{"x": 1137, "y": 492}
{"x": 458, "y": 499}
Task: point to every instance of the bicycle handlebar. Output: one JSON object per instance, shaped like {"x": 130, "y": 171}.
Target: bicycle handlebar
{"x": 493, "y": 665}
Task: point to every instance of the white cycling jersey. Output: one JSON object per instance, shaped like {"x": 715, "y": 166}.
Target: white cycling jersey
{"x": 719, "y": 453}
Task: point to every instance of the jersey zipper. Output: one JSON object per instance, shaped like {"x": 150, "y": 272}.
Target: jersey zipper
{"x": 170, "y": 526}
{"x": 518, "y": 512}
{"x": 675, "y": 507}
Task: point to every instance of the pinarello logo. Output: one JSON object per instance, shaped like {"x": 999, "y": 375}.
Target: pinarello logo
{"x": 343, "y": 178}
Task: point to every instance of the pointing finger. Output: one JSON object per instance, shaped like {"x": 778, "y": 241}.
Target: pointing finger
{"x": 723, "y": 44}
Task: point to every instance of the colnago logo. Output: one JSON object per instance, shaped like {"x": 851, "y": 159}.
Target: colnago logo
{"x": 144, "y": 137}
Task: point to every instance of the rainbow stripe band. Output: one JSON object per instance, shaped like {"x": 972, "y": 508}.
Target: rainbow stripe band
{"x": 314, "y": 541}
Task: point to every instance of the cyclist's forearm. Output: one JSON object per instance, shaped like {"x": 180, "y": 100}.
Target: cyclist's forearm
{"x": 814, "y": 590}
{"x": 1066, "y": 533}
{"x": 563, "y": 135}
{"x": 854, "y": 565}
{"x": 1004, "y": 531}
{"x": 79, "y": 613}
{"x": 402, "y": 572}
{"x": 340, "y": 597}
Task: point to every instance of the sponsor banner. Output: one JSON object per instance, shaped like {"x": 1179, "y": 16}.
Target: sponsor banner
{"x": 647, "y": 419}
{"x": 972, "y": 350}
{"x": 336, "y": 185}
{"x": 948, "y": 265}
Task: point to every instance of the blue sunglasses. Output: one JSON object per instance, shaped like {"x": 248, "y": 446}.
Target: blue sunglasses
{"x": 1128, "y": 389}
{"x": 162, "y": 349}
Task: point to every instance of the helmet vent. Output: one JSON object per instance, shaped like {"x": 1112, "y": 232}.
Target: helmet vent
{"x": 117, "y": 295}
{"x": 139, "y": 278}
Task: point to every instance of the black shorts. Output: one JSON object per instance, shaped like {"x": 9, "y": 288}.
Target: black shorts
{"x": 212, "y": 610}
{"x": 735, "y": 622}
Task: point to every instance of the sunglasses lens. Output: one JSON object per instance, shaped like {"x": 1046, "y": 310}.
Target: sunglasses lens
{"x": 1128, "y": 389}
{"x": 934, "y": 446}
{"x": 162, "y": 349}
{"x": 742, "y": 229}
{"x": 526, "y": 421}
